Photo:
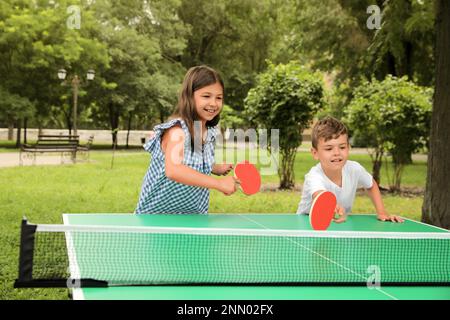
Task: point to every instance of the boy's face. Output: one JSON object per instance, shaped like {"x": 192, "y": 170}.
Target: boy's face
{"x": 332, "y": 154}
{"x": 208, "y": 101}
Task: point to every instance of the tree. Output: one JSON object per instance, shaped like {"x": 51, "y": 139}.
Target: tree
{"x": 392, "y": 116}
{"x": 13, "y": 109}
{"x": 235, "y": 37}
{"x": 333, "y": 36}
{"x": 435, "y": 209}
{"x": 35, "y": 42}
{"x": 142, "y": 79}
{"x": 286, "y": 97}
{"x": 403, "y": 45}
{"x": 230, "y": 119}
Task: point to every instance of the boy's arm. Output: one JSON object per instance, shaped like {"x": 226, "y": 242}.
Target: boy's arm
{"x": 340, "y": 211}
{"x": 375, "y": 195}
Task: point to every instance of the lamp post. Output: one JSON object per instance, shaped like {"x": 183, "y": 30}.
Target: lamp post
{"x": 75, "y": 83}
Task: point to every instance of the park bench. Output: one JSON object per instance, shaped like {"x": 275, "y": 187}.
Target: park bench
{"x": 66, "y": 145}
{"x": 83, "y": 150}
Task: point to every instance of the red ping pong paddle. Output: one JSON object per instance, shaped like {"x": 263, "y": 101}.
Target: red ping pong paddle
{"x": 248, "y": 175}
{"x": 322, "y": 210}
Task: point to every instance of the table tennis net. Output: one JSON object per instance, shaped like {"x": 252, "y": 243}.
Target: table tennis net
{"x": 58, "y": 255}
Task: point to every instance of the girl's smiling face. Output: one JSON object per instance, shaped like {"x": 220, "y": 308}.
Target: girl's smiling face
{"x": 208, "y": 101}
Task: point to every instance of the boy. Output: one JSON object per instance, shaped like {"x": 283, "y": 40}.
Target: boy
{"x": 337, "y": 174}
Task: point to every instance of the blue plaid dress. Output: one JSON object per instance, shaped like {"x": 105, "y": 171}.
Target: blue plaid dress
{"x": 162, "y": 195}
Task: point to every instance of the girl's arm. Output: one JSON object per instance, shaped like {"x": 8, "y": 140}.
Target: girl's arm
{"x": 222, "y": 169}
{"x": 173, "y": 149}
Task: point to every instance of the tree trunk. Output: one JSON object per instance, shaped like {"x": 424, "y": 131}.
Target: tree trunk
{"x": 11, "y": 131}
{"x": 409, "y": 70}
{"x": 377, "y": 161}
{"x": 130, "y": 114}
{"x": 68, "y": 118}
{"x": 286, "y": 171}
{"x": 114, "y": 121}
{"x": 25, "y": 124}
{"x": 19, "y": 130}
{"x": 114, "y": 138}
{"x": 397, "y": 179}
{"x": 162, "y": 115}
{"x": 391, "y": 65}
{"x": 376, "y": 168}
{"x": 436, "y": 206}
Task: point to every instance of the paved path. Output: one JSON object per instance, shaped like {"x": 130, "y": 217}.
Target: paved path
{"x": 11, "y": 159}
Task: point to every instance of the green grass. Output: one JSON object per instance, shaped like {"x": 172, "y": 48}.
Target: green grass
{"x": 8, "y": 146}
{"x": 43, "y": 193}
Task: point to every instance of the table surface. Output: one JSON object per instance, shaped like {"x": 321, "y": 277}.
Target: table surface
{"x": 360, "y": 223}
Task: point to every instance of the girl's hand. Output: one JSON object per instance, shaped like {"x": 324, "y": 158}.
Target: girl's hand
{"x": 222, "y": 169}
{"x": 227, "y": 185}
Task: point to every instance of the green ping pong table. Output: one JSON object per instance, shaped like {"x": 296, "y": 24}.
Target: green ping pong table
{"x": 284, "y": 222}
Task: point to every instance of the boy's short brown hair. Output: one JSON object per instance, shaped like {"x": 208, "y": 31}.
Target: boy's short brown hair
{"x": 327, "y": 128}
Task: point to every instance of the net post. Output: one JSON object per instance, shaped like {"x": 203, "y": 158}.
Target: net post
{"x": 27, "y": 237}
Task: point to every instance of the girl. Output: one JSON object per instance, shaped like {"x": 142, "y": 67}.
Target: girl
{"x": 178, "y": 179}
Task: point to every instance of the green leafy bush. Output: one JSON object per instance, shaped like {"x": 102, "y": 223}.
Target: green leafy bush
{"x": 286, "y": 97}
{"x": 393, "y": 116}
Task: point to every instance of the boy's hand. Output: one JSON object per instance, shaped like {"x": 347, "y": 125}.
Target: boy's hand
{"x": 385, "y": 217}
{"x": 341, "y": 213}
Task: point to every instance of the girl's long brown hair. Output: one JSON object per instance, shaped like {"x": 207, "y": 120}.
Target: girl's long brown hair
{"x": 195, "y": 79}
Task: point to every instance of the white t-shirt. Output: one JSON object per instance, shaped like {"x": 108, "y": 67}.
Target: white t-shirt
{"x": 354, "y": 176}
